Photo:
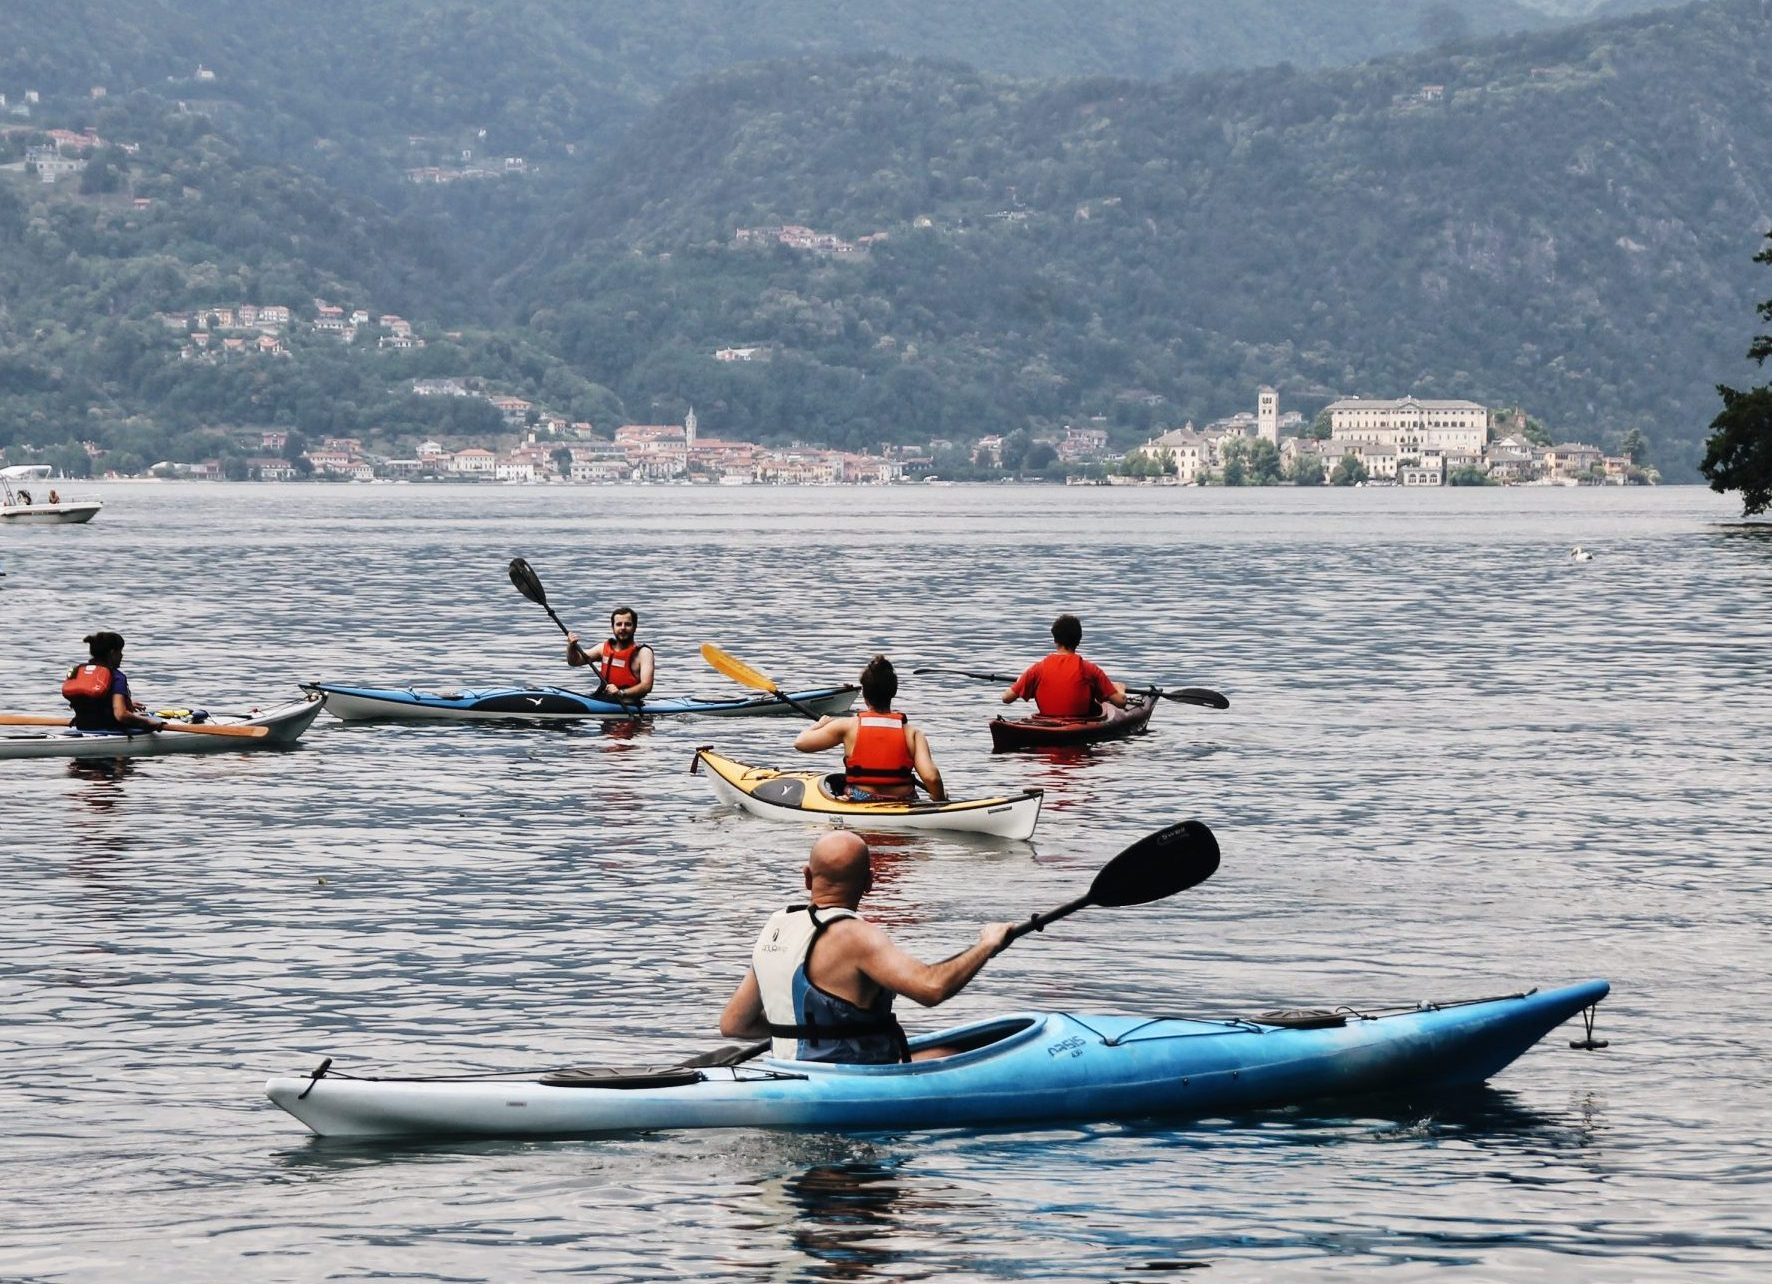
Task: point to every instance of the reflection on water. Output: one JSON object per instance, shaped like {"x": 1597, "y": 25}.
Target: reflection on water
{"x": 1455, "y": 764}
{"x": 845, "y": 1216}
{"x": 106, "y": 776}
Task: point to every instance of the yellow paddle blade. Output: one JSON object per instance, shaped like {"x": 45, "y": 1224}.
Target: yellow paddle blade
{"x": 737, "y": 669}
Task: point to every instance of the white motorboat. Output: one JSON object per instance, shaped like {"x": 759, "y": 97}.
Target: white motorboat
{"x": 18, "y": 506}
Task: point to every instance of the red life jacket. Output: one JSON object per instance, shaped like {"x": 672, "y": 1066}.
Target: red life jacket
{"x": 87, "y": 682}
{"x": 881, "y": 759}
{"x": 619, "y": 667}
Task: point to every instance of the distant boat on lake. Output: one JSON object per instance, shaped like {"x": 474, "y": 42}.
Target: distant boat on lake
{"x": 18, "y": 506}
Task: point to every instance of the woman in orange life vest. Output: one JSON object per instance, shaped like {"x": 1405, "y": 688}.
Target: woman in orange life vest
{"x": 1064, "y": 684}
{"x": 624, "y": 666}
{"x": 99, "y": 692}
{"x": 883, "y": 755}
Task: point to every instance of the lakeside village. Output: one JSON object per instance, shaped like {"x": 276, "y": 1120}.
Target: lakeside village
{"x": 1402, "y": 442}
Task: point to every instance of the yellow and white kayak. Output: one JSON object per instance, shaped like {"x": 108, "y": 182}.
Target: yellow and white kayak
{"x": 818, "y": 796}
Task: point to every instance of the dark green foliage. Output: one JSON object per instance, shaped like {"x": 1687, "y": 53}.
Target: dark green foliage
{"x": 1305, "y": 471}
{"x": 1738, "y": 455}
{"x": 1634, "y": 447}
{"x": 1264, "y": 463}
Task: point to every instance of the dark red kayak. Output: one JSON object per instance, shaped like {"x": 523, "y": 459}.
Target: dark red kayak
{"x": 1039, "y": 732}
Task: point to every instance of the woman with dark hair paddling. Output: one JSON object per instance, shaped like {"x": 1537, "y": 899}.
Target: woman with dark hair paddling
{"x": 883, "y": 755}
{"x": 99, "y": 693}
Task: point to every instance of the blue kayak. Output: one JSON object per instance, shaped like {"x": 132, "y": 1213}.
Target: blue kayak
{"x": 555, "y": 704}
{"x": 1022, "y": 1068}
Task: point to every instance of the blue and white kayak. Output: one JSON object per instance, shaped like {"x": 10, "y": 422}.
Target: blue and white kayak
{"x": 1023, "y": 1068}
{"x": 555, "y": 704}
{"x": 283, "y": 723}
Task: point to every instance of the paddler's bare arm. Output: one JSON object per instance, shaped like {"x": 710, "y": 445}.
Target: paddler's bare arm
{"x": 743, "y": 1017}
{"x": 826, "y": 733}
{"x": 876, "y": 957}
{"x": 577, "y": 656}
{"x": 923, "y": 760}
{"x": 643, "y": 673}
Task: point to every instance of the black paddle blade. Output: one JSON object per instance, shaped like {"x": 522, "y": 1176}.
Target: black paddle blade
{"x": 1157, "y": 865}
{"x": 528, "y": 582}
{"x": 1197, "y": 695}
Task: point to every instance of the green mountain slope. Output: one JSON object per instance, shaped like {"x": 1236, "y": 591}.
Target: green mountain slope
{"x": 1564, "y": 224}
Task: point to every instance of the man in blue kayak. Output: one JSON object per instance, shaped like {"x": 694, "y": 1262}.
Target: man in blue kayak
{"x": 624, "y": 666}
{"x": 823, "y": 978}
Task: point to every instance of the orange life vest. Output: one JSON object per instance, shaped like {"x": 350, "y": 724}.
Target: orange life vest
{"x": 87, "y": 682}
{"x": 881, "y": 758}
{"x": 619, "y": 667}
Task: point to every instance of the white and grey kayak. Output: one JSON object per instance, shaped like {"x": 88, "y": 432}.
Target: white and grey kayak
{"x": 284, "y": 725}
{"x": 819, "y": 797}
{"x": 555, "y": 704}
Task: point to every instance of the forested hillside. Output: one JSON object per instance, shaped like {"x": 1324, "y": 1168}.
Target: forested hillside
{"x": 1562, "y": 222}
{"x": 360, "y": 90}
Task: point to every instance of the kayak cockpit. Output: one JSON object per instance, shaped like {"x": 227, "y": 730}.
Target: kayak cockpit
{"x": 940, "y": 1049}
{"x": 948, "y": 1044}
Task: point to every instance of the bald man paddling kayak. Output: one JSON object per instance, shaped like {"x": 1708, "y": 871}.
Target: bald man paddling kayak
{"x": 823, "y": 978}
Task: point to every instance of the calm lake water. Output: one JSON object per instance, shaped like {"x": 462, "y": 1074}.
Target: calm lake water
{"x": 1456, "y": 763}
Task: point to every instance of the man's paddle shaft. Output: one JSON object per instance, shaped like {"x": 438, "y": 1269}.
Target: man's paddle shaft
{"x": 967, "y": 673}
{"x": 1037, "y": 922}
{"x": 745, "y": 675}
{"x": 1181, "y": 695}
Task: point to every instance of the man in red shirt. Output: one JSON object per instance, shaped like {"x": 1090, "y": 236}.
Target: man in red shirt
{"x": 1064, "y": 684}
